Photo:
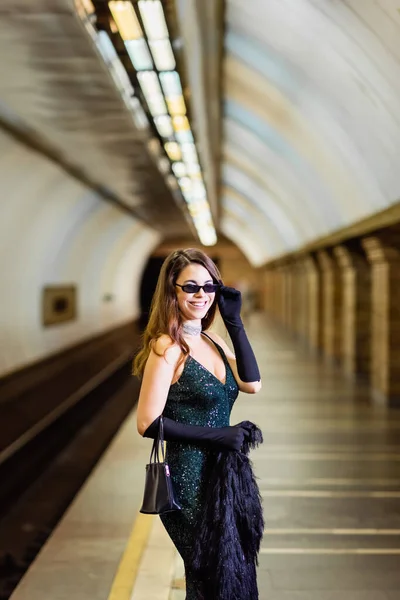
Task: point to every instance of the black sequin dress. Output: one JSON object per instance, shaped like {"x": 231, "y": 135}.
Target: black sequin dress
{"x": 197, "y": 398}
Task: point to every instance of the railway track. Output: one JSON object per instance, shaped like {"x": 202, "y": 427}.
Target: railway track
{"x": 42, "y": 470}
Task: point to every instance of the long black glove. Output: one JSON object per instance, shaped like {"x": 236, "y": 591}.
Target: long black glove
{"x": 230, "y": 303}
{"x": 225, "y": 438}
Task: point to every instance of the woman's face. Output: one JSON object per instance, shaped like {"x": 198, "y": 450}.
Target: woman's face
{"x": 194, "y": 306}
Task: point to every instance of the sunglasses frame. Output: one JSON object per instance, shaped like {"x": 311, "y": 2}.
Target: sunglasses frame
{"x": 199, "y": 287}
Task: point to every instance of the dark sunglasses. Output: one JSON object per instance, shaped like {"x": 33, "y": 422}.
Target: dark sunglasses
{"x": 193, "y": 288}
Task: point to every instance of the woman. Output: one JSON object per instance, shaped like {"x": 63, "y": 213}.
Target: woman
{"x": 192, "y": 378}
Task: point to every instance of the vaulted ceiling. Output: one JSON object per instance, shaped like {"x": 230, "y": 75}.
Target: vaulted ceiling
{"x": 311, "y": 119}
{"x": 310, "y": 132}
{"x": 58, "y": 95}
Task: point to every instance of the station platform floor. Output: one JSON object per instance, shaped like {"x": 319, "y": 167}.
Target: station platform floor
{"x": 329, "y": 475}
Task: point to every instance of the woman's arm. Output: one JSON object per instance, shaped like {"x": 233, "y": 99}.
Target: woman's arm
{"x": 245, "y": 366}
{"x": 246, "y": 387}
{"x": 157, "y": 378}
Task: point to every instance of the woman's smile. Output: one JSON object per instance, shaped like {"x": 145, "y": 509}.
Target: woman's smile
{"x": 198, "y": 303}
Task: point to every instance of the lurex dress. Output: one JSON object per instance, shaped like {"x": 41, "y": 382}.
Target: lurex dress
{"x": 197, "y": 398}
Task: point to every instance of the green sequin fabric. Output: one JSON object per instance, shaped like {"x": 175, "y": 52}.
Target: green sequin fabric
{"x": 197, "y": 398}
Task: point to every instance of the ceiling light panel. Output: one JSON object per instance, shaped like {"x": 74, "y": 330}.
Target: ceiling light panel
{"x": 207, "y": 236}
{"x": 164, "y": 165}
{"x": 162, "y": 54}
{"x": 185, "y": 184}
{"x": 179, "y": 169}
{"x": 176, "y": 106}
{"x": 180, "y": 123}
{"x": 184, "y": 137}
{"x": 192, "y": 168}
{"x": 153, "y": 19}
{"x": 139, "y": 54}
{"x": 126, "y": 20}
{"x": 106, "y": 47}
{"x": 164, "y": 126}
{"x": 152, "y": 92}
{"x": 173, "y": 150}
{"x": 189, "y": 153}
{"x": 138, "y": 113}
{"x": 199, "y": 191}
{"x": 154, "y": 147}
{"x": 149, "y": 83}
{"x": 171, "y": 182}
{"x": 156, "y": 105}
{"x": 171, "y": 83}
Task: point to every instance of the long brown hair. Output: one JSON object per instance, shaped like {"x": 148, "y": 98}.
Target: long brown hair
{"x": 165, "y": 317}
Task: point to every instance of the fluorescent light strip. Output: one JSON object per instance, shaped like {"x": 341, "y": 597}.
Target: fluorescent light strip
{"x": 154, "y": 147}
{"x": 193, "y": 168}
{"x": 208, "y": 236}
{"x": 156, "y": 105}
{"x": 162, "y": 54}
{"x": 171, "y": 83}
{"x": 179, "y": 169}
{"x": 152, "y": 92}
{"x": 171, "y": 182}
{"x": 138, "y": 113}
{"x": 188, "y": 173}
{"x": 164, "y": 165}
{"x": 106, "y": 47}
{"x": 176, "y": 106}
{"x": 173, "y": 150}
{"x": 189, "y": 153}
{"x": 164, "y": 126}
{"x": 180, "y": 123}
{"x": 185, "y": 184}
{"x": 126, "y": 20}
{"x": 149, "y": 83}
{"x": 139, "y": 54}
{"x": 184, "y": 137}
{"x": 153, "y": 19}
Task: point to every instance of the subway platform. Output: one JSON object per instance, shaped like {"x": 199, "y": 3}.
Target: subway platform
{"x": 329, "y": 475}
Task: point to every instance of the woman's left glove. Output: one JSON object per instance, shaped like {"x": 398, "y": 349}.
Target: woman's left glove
{"x": 230, "y": 303}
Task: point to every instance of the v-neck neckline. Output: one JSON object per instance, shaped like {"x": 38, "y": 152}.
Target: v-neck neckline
{"x": 210, "y": 372}
{"x": 222, "y": 355}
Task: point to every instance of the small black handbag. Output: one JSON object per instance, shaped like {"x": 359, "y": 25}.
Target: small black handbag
{"x": 158, "y": 495}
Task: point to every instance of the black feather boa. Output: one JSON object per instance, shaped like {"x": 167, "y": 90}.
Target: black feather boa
{"x": 231, "y": 527}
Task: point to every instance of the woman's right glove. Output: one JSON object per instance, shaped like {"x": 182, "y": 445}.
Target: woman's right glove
{"x": 224, "y": 438}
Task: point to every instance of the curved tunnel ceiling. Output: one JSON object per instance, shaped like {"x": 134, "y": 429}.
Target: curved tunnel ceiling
{"x": 311, "y": 119}
{"x": 59, "y": 96}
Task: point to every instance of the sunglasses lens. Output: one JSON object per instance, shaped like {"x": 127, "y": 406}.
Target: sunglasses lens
{"x": 190, "y": 288}
{"x": 210, "y": 288}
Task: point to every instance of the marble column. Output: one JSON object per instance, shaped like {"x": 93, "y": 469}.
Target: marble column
{"x": 356, "y": 309}
{"x": 289, "y": 286}
{"x": 300, "y": 313}
{"x": 384, "y": 257}
{"x": 331, "y": 305}
{"x": 313, "y": 325}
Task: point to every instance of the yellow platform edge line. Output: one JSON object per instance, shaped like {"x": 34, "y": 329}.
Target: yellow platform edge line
{"x": 128, "y": 568}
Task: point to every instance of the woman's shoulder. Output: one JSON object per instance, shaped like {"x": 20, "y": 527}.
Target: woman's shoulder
{"x": 165, "y": 346}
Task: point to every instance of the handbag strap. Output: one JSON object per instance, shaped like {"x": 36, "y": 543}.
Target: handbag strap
{"x": 158, "y": 443}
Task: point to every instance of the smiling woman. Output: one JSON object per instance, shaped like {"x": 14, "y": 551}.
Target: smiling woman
{"x": 191, "y": 377}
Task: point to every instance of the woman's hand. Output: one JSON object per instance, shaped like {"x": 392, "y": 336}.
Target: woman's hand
{"x": 232, "y": 437}
{"x": 230, "y": 304}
